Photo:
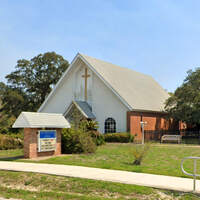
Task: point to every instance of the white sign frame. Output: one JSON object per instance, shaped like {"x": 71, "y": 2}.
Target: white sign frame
{"x": 39, "y": 141}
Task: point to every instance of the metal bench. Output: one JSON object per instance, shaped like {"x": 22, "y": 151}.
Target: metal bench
{"x": 171, "y": 138}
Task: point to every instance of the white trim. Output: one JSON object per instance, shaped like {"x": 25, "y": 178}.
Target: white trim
{"x": 58, "y": 83}
{"x": 149, "y": 111}
{"x": 78, "y": 55}
{"x": 68, "y": 109}
{"x": 39, "y": 141}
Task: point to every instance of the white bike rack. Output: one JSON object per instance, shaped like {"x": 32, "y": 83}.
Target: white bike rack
{"x": 194, "y": 175}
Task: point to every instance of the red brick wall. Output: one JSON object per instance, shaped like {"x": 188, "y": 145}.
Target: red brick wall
{"x": 30, "y": 143}
{"x": 31, "y": 140}
{"x": 155, "y": 121}
{"x": 58, "y": 142}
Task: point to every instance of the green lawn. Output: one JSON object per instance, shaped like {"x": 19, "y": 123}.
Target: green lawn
{"x": 30, "y": 186}
{"x": 161, "y": 159}
{"x": 10, "y": 153}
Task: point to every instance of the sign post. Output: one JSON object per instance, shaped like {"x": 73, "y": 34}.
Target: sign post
{"x": 142, "y": 126}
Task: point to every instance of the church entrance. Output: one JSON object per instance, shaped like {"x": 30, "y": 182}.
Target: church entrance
{"x": 78, "y": 111}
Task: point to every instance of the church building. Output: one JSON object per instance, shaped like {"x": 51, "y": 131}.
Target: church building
{"x": 118, "y": 98}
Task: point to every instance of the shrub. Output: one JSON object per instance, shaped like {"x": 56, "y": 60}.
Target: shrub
{"x": 10, "y": 142}
{"x": 97, "y": 137}
{"x": 91, "y": 125}
{"x": 139, "y": 152}
{"x": 88, "y": 125}
{"x": 77, "y": 141}
{"x": 6, "y": 124}
{"x": 118, "y": 137}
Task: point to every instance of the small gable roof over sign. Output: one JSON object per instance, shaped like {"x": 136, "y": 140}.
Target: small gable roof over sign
{"x": 40, "y": 120}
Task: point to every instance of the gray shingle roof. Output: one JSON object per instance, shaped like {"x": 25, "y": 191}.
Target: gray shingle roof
{"x": 40, "y": 120}
{"x": 85, "y": 108}
{"x": 140, "y": 91}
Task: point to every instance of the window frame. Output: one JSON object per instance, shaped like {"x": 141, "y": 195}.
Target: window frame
{"x": 110, "y": 125}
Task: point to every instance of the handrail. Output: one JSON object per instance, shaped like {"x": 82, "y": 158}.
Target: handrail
{"x": 194, "y": 175}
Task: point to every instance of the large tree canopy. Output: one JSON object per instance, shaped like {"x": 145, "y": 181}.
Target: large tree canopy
{"x": 184, "y": 104}
{"x": 30, "y": 83}
{"x": 36, "y": 77}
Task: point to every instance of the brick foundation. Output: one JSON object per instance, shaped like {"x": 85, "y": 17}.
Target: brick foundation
{"x": 31, "y": 141}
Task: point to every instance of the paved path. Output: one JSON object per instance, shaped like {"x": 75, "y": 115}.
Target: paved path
{"x": 157, "y": 181}
{"x": 2, "y": 198}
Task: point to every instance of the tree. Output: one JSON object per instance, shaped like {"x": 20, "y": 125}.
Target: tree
{"x": 28, "y": 86}
{"x": 184, "y": 103}
{"x": 13, "y": 102}
{"x": 33, "y": 79}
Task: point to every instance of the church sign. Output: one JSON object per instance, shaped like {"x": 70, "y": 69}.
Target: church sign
{"x": 46, "y": 140}
{"x": 42, "y": 133}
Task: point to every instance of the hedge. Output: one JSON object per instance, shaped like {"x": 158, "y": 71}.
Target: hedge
{"x": 118, "y": 137}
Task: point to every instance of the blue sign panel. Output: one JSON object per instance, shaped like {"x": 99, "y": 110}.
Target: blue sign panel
{"x": 47, "y": 134}
{"x": 46, "y": 140}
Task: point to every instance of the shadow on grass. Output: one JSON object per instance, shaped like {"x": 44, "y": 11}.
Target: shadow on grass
{"x": 11, "y": 158}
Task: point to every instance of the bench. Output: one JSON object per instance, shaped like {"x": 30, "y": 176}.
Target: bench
{"x": 171, "y": 138}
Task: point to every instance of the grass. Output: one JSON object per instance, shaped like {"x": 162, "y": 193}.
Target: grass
{"x": 162, "y": 159}
{"x": 41, "y": 186}
{"x": 10, "y": 153}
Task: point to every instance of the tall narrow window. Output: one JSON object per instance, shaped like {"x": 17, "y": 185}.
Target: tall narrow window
{"x": 110, "y": 125}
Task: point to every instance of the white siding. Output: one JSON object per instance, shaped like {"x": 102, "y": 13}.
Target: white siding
{"x": 105, "y": 104}
{"x": 62, "y": 97}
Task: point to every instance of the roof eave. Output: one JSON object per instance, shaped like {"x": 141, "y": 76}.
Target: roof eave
{"x": 40, "y": 126}
{"x": 149, "y": 111}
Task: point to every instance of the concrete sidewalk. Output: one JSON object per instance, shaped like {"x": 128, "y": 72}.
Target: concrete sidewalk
{"x": 156, "y": 181}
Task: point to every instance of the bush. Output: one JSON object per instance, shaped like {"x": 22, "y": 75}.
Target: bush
{"x": 139, "y": 152}
{"x": 97, "y": 137}
{"x": 10, "y": 142}
{"x": 91, "y": 125}
{"x": 118, "y": 137}
{"x": 6, "y": 123}
{"x": 77, "y": 141}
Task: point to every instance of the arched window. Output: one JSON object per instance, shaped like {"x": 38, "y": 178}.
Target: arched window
{"x": 110, "y": 125}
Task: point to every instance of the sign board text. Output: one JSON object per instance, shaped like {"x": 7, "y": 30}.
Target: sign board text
{"x": 46, "y": 140}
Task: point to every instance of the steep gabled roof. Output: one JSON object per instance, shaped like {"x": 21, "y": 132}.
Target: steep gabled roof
{"x": 137, "y": 91}
{"x": 140, "y": 91}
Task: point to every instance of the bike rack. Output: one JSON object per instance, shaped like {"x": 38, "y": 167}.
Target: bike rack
{"x": 194, "y": 175}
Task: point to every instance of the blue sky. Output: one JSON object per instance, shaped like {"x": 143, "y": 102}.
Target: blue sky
{"x": 156, "y": 37}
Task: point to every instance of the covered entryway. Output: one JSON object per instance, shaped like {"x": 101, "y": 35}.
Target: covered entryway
{"x": 78, "y": 111}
